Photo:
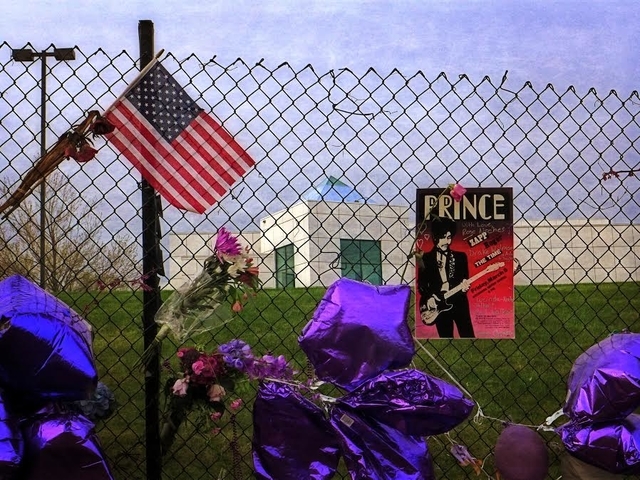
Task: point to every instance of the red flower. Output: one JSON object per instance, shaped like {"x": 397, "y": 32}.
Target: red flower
{"x": 86, "y": 153}
{"x": 71, "y": 152}
{"x": 101, "y": 126}
{"x": 207, "y": 368}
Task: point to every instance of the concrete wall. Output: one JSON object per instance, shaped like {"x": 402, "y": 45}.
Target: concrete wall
{"x": 569, "y": 251}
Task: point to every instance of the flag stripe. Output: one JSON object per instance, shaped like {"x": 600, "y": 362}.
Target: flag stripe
{"x": 123, "y": 145}
{"x": 210, "y": 172}
{"x": 226, "y": 153}
{"x": 202, "y": 149}
{"x": 146, "y": 159}
{"x": 227, "y": 139}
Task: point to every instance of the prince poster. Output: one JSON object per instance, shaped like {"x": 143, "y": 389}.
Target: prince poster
{"x": 464, "y": 264}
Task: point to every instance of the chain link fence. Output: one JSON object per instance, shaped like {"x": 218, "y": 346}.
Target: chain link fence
{"x": 569, "y": 156}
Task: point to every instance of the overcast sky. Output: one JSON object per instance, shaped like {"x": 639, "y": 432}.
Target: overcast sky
{"x": 583, "y": 43}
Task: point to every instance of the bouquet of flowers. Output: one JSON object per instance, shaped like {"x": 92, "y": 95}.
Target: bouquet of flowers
{"x": 211, "y": 299}
{"x": 205, "y": 379}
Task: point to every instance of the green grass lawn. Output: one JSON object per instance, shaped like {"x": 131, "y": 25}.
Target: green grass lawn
{"x": 521, "y": 380}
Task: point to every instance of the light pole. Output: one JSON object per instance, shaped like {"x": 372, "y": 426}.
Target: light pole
{"x": 28, "y": 55}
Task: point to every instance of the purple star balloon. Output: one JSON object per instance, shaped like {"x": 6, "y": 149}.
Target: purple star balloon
{"x": 292, "y": 439}
{"x": 358, "y": 331}
{"x": 410, "y": 401}
{"x": 45, "y": 347}
{"x": 604, "y": 383}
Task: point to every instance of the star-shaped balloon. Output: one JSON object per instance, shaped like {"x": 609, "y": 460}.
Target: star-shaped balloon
{"x": 357, "y": 339}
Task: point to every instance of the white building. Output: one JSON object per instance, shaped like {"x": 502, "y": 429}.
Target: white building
{"x": 333, "y": 232}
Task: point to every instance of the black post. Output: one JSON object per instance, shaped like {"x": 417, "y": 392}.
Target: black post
{"x": 151, "y": 297}
{"x": 43, "y": 185}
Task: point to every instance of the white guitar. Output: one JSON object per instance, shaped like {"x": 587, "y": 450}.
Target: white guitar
{"x": 429, "y": 315}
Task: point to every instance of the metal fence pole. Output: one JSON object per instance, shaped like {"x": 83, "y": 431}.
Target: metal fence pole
{"x": 28, "y": 55}
{"x": 151, "y": 297}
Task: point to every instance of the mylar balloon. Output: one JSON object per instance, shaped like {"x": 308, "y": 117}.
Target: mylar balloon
{"x": 292, "y": 438}
{"x": 45, "y": 347}
{"x": 11, "y": 443}
{"x": 357, "y": 331}
{"x": 63, "y": 446}
{"x": 373, "y": 450}
{"x": 612, "y": 446}
{"x": 604, "y": 383}
{"x": 410, "y": 401}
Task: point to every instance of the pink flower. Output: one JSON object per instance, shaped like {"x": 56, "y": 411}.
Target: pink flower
{"x": 197, "y": 367}
{"x": 227, "y": 244}
{"x": 215, "y": 416}
{"x": 180, "y": 387}
{"x": 236, "y": 404}
{"x": 215, "y": 431}
{"x": 457, "y": 192}
{"x": 237, "y": 307}
{"x": 216, "y": 393}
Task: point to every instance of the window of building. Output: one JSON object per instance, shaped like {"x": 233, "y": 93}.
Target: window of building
{"x": 361, "y": 260}
{"x": 285, "y": 267}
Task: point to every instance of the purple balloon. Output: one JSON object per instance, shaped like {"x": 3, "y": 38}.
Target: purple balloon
{"x": 45, "y": 347}
{"x": 373, "y": 450}
{"x": 612, "y": 446}
{"x": 11, "y": 443}
{"x": 292, "y": 438}
{"x": 410, "y": 401}
{"x": 604, "y": 383}
{"x": 63, "y": 446}
{"x": 357, "y": 331}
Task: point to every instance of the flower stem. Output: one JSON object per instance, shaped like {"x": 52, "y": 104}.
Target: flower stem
{"x": 154, "y": 348}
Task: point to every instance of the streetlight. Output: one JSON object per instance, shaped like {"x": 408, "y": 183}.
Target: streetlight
{"x": 28, "y": 55}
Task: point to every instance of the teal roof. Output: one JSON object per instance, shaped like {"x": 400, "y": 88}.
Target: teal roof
{"x": 332, "y": 189}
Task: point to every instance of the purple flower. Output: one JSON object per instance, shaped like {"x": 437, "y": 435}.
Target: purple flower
{"x": 270, "y": 367}
{"x": 226, "y": 244}
{"x": 236, "y": 354}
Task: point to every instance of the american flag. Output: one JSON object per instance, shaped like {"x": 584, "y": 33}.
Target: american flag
{"x": 188, "y": 157}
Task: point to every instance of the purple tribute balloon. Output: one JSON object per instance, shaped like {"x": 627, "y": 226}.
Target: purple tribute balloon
{"x": 612, "y": 446}
{"x": 604, "y": 383}
{"x": 373, "y": 450}
{"x": 45, "y": 347}
{"x": 410, "y": 401}
{"x": 63, "y": 446}
{"x": 292, "y": 438}
{"x": 11, "y": 443}
{"x": 357, "y": 331}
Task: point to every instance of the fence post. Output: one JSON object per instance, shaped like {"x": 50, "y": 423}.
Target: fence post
{"x": 151, "y": 267}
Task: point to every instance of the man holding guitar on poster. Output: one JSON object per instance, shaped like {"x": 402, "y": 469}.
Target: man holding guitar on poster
{"x": 443, "y": 270}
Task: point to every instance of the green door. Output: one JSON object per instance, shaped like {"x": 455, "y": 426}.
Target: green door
{"x": 361, "y": 260}
{"x": 285, "y": 267}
